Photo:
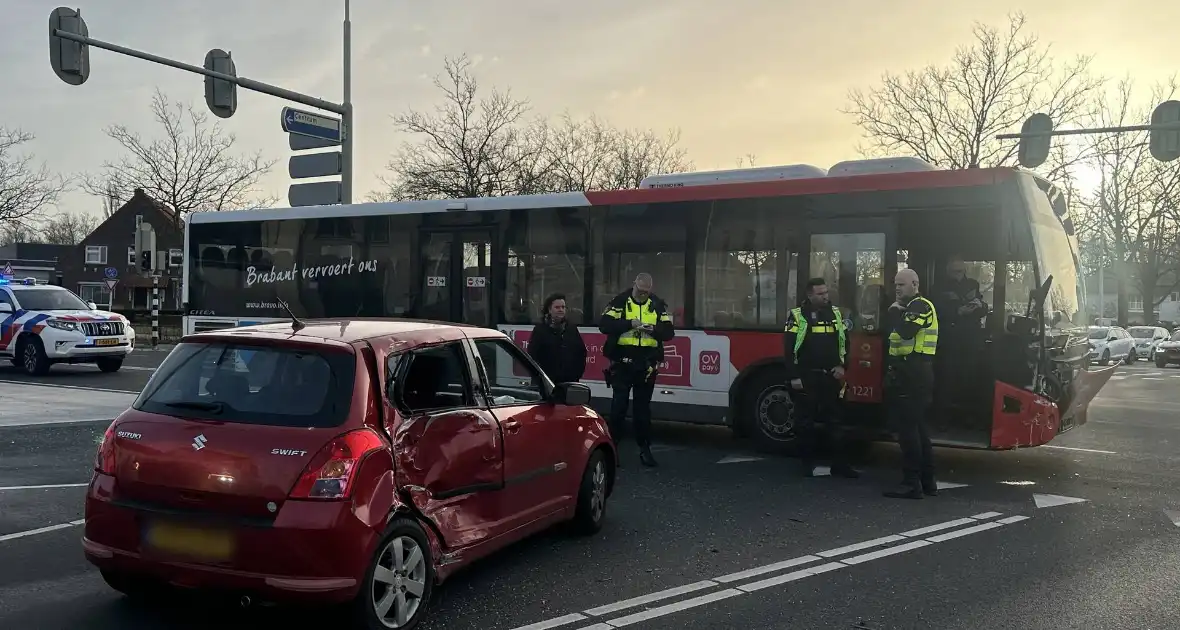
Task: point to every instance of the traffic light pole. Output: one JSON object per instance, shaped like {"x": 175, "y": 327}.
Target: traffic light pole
{"x": 77, "y": 75}
{"x": 1037, "y": 132}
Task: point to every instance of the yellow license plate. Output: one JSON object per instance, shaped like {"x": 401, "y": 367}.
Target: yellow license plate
{"x": 193, "y": 542}
{"x": 106, "y": 342}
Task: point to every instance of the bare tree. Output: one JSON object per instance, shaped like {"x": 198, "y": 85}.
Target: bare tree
{"x": 590, "y": 154}
{"x": 192, "y": 168}
{"x": 479, "y": 146}
{"x": 950, "y": 115}
{"x": 68, "y": 228}
{"x": 469, "y": 146}
{"x": 26, "y": 189}
{"x": 1133, "y": 219}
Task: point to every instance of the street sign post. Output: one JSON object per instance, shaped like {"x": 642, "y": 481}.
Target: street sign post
{"x": 314, "y": 194}
{"x": 315, "y": 165}
{"x": 312, "y": 125}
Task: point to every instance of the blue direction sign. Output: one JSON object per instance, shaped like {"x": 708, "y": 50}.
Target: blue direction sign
{"x": 311, "y": 125}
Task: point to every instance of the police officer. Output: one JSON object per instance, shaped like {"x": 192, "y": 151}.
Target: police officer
{"x": 961, "y": 302}
{"x": 912, "y": 327}
{"x": 636, "y": 324}
{"x": 815, "y": 344}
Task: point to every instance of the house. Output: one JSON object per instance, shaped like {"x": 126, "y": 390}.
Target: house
{"x": 35, "y": 260}
{"x": 108, "y": 253}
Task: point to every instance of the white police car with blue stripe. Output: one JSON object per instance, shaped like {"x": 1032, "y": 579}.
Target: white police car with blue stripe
{"x": 43, "y": 324}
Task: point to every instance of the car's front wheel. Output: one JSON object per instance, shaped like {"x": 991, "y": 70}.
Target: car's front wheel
{"x": 592, "y": 494}
{"x": 109, "y": 364}
{"x": 399, "y": 581}
{"x": 32, "y": 356}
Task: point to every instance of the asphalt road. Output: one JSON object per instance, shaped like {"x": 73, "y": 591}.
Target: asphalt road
{"x": 1081, "y": 535}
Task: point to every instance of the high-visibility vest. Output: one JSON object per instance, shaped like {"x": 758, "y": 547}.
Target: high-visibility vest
{"x": 646, "y": 316}
{"x": 925, "y": 342}
{"x": 800, "y": 327}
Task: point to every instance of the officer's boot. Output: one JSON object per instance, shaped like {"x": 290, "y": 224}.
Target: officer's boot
{"x": 911, "y": 488}
{"x": 929, "y": 485}
{"x": 646, "y": 458}
{"x": 845, "y": 470}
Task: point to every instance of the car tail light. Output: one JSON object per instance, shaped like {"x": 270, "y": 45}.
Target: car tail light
{"x": 104, "y": 459}
{"x": 331, "y": 473}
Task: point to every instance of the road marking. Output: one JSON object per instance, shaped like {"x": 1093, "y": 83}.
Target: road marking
{"x": 647, "y": 599}
{"x": 1077, "y": 448}
{"x": 1053, "y": 500}
{"x": 909, "y": 544}
{"x": 136, "y": 368}
{"x": 1174, "y": 516}
{"x": 42, "y": 530}
{"x": 735, "y": 459}
{"x": 672, "y": 608}
{"x": 1150, "y": 378}
{"x": 946, "y": 485}
{"x": 45, "y": 487}
{"x": 80, "y": 387}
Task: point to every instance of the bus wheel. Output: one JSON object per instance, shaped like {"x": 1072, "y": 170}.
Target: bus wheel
{"x": 767, "y": 412}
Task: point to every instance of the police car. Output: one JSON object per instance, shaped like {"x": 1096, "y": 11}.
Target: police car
{"x": 44, "y": 324}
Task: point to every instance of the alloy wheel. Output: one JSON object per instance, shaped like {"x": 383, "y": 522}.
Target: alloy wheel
{"x": 399, "y": 582}
{"x": 30, "y": 356}
{"x": 598, "y": 491}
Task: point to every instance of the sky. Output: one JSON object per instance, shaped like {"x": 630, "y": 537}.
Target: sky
{"x": 736, "y": 77}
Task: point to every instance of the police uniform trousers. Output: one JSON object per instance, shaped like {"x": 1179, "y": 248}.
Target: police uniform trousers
{"x": 819, "y": 401}
{"x": 909, "y": 396}
{"x": 627, "y": 379}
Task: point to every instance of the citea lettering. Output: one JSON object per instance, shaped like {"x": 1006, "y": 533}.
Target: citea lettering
{"x": 290, "y": 274}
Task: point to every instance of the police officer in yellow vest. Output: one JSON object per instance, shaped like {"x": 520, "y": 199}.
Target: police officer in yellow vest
{"x": 636, "y": 324}
{"x": 912, "y": 333}
{"x": 815, "y": 343}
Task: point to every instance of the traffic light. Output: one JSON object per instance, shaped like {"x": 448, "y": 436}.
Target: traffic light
{"x": 70, "y": 59}
{"x": 145, "y": 248}
{"x": 1165, "y": 143}
{"x": 147, "y": 261}
{"x": 220, "y": 95}
{"x": 1033, "y": 151}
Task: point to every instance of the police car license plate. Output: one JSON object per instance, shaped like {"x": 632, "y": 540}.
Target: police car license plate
{"x": 106, "y": 342}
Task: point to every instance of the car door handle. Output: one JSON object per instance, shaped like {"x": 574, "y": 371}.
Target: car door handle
{"x": 512, "y": 426}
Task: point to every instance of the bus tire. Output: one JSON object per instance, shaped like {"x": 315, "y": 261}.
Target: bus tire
{"x": 766, "y": 412}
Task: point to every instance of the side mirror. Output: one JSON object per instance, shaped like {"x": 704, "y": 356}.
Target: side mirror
{"x": 5, "y": 308}
{"x": 571, "y": 394}
{"x": 92, "y": 306}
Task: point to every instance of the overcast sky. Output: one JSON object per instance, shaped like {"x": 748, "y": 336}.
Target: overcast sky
{"x": 765, "y": 77}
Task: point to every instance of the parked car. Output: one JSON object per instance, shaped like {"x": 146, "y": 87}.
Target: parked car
{"x": 1168, "y": 352}
{"x": 1109, "y": 343}
{"x": 359, "y": 461}
{"x": 1147, "y": 338}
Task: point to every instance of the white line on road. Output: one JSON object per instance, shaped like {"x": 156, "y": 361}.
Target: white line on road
{"x": 41, "y": 530}
{"x": 136, "y": 368}
{"x": 1077, "y": 448}
{"x": 708, "y": 598}
{"x": 45, "y": 487}
{"x": 81, "y": 387}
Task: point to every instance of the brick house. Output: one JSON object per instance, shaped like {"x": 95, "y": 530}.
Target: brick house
{"x": 111, "y": 246}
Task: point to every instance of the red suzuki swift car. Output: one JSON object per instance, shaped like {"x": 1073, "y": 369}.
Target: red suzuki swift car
{"x": 356, "y": 461}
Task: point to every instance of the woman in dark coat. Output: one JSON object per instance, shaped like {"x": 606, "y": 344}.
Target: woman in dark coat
{"x": 556, "y": 345}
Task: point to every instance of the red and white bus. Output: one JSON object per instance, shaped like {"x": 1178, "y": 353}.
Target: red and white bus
{"x": 730, "y": 251}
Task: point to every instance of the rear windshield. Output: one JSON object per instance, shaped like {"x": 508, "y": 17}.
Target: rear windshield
{"x": 252, "y": 385}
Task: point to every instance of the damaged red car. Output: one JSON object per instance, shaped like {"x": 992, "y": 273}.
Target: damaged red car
{"x": 355, "y": 462}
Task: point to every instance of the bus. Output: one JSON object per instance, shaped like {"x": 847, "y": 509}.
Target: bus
{"x": 730, "y": 252}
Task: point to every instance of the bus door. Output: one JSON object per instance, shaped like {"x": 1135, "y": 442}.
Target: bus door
{"x": 853, "y": 256}
{"x": 455, "y": 276}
